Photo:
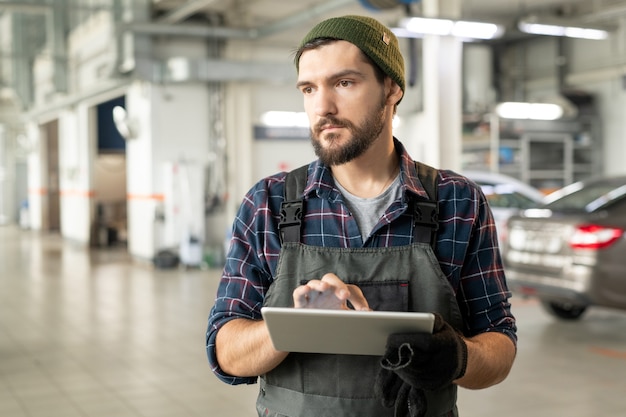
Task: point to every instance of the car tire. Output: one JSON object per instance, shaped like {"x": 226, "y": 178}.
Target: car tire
{"x": 564, "y": 310}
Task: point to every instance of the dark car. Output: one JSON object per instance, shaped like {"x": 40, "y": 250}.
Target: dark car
{"x": 571, "y": 252}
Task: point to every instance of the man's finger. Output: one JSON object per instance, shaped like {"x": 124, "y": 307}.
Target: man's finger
{"x": 357, "y": 299}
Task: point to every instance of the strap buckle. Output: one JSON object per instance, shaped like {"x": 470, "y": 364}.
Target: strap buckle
{"x": 290, "y": 220}
{"x": 426, "y": 213}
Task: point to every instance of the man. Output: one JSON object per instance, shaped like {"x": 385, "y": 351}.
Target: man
{"x": 360, "y": 247}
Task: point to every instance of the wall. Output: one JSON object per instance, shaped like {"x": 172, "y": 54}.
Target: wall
{"x": 600, "y": 68}
{"x": 611, "y": 101}
{"x": 110, "y": 170}
{"x": 7, "y": 205}
{"x": 596, "y": 67}
{"x": 92, "y": 52}
{"x": 172, "y": 127}
{"x": 275, "y": 155}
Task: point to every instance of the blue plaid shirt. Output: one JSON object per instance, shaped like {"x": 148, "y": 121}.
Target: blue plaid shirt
{"x": 466, "y": 247}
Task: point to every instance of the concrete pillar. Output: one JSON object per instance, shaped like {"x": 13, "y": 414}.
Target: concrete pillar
{"x": 442, "y": 75}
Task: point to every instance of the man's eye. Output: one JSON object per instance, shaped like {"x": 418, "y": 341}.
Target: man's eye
{"x": 345, "y": 83}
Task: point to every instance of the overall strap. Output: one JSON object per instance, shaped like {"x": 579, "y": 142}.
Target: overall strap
{"x": 292, "y": 209}
{"x": 426, "y": 212}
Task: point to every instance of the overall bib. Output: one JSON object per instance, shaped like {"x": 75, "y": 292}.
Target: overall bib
{"x": 398, "y": 278}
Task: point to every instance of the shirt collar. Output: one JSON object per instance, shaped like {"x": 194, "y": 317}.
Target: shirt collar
{"x": 408, "y": 172}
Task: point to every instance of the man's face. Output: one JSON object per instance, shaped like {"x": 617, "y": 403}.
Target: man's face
{"x": 344, "y": 100}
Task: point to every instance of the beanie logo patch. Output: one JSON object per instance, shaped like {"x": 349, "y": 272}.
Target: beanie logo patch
{"x": 386, "y": 39}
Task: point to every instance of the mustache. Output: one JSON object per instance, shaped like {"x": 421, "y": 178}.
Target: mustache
{"x": 330, "y": 121}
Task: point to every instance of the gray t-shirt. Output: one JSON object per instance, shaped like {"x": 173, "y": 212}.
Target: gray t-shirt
{"x": 367, "y": 211}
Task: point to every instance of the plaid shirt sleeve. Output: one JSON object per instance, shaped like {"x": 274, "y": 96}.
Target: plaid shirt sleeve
{"x": 468, "y": 252}
{"x": 249, "y": 266}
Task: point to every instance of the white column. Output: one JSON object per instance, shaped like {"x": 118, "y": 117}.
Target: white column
{"x": 442, "y": 75}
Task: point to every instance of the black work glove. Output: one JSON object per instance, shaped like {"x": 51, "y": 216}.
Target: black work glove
{"x": 427, "y": 361}
{"x": 394, "y": 392}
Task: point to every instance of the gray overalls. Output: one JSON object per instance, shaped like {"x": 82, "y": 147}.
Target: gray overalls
{"x": 399, "y": 278}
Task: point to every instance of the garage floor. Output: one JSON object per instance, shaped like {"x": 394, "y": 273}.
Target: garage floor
{"x": 90, "y": 333}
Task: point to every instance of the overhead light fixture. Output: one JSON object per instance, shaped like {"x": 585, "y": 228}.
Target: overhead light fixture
{"x": 421, "y": 26}
{"x": 285, "y": 119}
{"x": 535, "y": 26}
{"x": 533, "y": 111}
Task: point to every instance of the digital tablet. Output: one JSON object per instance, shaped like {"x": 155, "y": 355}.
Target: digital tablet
{"x": 339, "y": 331}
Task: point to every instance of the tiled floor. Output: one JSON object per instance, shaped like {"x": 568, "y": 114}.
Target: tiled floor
{"x": 91, "y": 333}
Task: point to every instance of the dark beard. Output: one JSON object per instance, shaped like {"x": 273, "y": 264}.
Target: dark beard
{"x": 362, "y": 138}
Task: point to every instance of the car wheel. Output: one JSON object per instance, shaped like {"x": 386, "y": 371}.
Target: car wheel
{"x": 564, "y": 310}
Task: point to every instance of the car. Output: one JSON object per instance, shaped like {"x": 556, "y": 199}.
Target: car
{"x": 571, "y": 252}
{"x": 506, "y": 196}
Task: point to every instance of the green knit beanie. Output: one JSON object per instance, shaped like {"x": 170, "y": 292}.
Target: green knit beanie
{"x": 371, "y": 36}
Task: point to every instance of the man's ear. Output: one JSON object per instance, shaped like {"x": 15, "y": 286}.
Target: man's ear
{"x": 395, "y": 93}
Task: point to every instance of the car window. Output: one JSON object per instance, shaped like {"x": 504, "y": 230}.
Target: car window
{"x": 589, "y": 198}
{"x": 505, "y": 197}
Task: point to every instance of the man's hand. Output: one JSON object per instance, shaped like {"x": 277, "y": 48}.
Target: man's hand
{"x": 427, "y": 361}
{"x": 330, "y": 292}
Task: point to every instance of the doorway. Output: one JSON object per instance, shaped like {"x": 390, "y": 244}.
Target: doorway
{"x": 110, "y": 179}
{"x": 51, "y": 212}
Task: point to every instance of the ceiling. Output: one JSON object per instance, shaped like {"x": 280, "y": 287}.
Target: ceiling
{"x": 279, "y": 23}
{"x": 285, "y": 21}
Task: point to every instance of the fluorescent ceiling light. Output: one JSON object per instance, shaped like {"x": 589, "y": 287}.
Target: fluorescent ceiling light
{"x": 535, "y": 26}
{"x": 534, "y": 111}
{"x": 285, "y": 119}
{"x": 477, "y": 30}
{"x": 426, "y": 26}
{"x": 421, "y": 26}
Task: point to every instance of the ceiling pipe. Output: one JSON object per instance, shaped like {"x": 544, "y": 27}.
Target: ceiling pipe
{"x": 230, "y": 33}
{"x": 181, "y": 13}
{"x": 188, "y": 30}
{"x": 21, "y": 7}
{"x": 41, "y": 6}
{"x": 609, "y": 14}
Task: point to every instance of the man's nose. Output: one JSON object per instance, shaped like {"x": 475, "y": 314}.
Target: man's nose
{"x": 325, "y": 102}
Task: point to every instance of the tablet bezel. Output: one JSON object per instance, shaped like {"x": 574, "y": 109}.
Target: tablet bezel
{"x": 353, "y": 332}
